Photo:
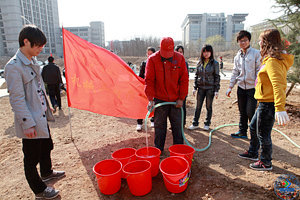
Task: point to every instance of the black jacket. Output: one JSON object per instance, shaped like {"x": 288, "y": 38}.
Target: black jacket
{"x": 51, "y": 74}
{"x": 142, "y": 69}
{"x": 209, "y": 77}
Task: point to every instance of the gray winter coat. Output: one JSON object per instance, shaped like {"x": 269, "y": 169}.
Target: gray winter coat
{"x": 245, "y": 69}
{"x": 22, "y": 78}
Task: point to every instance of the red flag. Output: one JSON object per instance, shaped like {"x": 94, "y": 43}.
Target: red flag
{"x": 101, "y": 82}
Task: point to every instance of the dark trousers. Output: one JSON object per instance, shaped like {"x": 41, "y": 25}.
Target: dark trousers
{"x": 247, "y": 105}
{"x": 54, "y": 93}
{"x": 140, "y": 121}
{"x": 184, "y": 111}
{"x": 260, "y": 129}
{"x": 160, "y": 124}
{"x": 37, "y": 151}
{"x": 202, "y": 94}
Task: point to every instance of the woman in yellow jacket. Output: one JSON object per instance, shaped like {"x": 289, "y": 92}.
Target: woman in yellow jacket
{"x": 270, "y": 93}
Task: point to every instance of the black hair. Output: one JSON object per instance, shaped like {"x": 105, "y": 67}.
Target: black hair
{"x": 151, "y": 49}
{"x": 243, "y": 34}
{"x": 35, "y": 36}
{"x": 50, "y": 59}
{"x": 205, "y": 48}
{"x": 179, "y": 47}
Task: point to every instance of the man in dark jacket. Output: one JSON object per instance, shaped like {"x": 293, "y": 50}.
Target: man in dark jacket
{"x": 166, "y": 81}
{"x": 52, "y": 77}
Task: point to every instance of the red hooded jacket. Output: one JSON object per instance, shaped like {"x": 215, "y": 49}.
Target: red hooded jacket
{"x": 165, "y": 80}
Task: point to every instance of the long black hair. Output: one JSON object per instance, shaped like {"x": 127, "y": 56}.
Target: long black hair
{"x": 205, "y": 48}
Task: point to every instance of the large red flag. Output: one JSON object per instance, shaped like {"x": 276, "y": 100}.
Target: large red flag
{"x": 101, "y": 82}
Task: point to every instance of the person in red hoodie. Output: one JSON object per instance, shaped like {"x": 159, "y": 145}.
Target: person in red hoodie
{"x": 166, "y": 80}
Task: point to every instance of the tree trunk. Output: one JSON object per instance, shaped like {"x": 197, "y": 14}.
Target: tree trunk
{"x": 290, "y": 89}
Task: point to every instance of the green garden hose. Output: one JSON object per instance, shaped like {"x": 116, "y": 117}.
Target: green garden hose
{"x": 210, "y": 133}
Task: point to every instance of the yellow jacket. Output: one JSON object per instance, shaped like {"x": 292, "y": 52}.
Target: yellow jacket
{"x": 271, "y": 81}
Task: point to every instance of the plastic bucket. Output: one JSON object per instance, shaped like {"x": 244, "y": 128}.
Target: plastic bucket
{"x": 175, "y": 171}
{"x": 125, "y": 156}
{"x": 108, "y": 174}
{"x": 184, "y": 151}
{"x": 138, "y": 175}
{"x": 152, "y": 154}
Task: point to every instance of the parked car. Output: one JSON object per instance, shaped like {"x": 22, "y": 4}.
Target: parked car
{"x": 2, "y": 73}
{"x": 192, "y": 69}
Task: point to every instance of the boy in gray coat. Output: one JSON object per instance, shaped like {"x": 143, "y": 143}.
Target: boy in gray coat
{"x": 32, "y": 111}
{"x": 244, "y": 73}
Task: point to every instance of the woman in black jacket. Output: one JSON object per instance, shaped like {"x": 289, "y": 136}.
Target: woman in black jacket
{"x": 207, "y": 85}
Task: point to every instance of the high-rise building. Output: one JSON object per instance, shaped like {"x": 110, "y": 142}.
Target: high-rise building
{"x": 197, "y": 27}
{"x": 14, "y": 14}
{"x": 93, "y": 33}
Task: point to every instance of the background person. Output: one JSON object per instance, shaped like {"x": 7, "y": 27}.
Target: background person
{"x": 206, "y": 85}
{"x": 28, "y": 100}
{"x": 270, "y": 93}
{"x": 150, "y": 51}
{"x": 180, "y": 49}
{"x": 244, "y": 73}
{"x": 166, "y": 81}
{"x": 52, "y": 77}
{"x": 221, "y": 66}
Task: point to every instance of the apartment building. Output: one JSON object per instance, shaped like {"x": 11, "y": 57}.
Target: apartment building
{"x": 197, "y": 27}
{"x": 93, "y": 33}
{"x": 14, "y": 14}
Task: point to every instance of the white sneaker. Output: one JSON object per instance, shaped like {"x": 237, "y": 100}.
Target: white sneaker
{"x": 139, "y": 127}
{"x": 192, "y": 127}
{"x": 152, "y": 124}
{"x": 206, "y": 127}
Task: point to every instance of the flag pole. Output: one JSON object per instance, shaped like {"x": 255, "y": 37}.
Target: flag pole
{"x": 70, "y": 123}
{"x": 67, "y": 87}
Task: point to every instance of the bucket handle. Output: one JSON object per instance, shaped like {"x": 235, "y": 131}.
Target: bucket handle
{"x": 187, "y": 157}
{"x": 98, "y": 179}
{"x": 124, "y": 165}
{"x": 189, "y": 175}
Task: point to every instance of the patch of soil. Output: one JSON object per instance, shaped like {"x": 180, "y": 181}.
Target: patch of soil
{"x": 217, "y": 173}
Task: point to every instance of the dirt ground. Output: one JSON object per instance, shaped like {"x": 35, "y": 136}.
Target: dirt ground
{"x": 217, "y": 173}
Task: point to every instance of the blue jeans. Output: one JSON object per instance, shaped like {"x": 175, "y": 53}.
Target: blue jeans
{"x": 201, "y": 95}
{"x": 160, "y": 124}
{"x": 247, "y": 104}
{"x": 260, "y": 129}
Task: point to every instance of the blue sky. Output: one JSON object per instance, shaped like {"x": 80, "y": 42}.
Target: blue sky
{"x": 128, "y": 19}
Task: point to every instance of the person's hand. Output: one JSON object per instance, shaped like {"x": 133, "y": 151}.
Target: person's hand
{"x": 216, "y": 95}
{"x": 179, "y": 103}
{"x": 228, "y": 92}
{"x": 30, "y": 132}
{"x": 150, "y": 105}
{"x": 282, "y": 118}
{"x": 194, "y": 92}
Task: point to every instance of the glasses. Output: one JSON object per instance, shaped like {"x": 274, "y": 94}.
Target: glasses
{"x": 243, "y": 41}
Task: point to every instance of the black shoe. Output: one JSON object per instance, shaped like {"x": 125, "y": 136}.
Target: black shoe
{"x": 239, "y": 135}
{"x": 48, "y": 193}
{"x": 260, "y": 166}
{"x": 54, "y": 175}
{"x": 248, "y": 156}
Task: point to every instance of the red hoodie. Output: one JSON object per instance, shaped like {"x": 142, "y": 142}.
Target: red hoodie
{"x": 167, "y": 81}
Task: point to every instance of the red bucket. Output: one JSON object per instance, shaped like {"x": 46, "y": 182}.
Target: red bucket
{"x": 175, "y": 171}
{"x": 184, "y": 151}
{"x": 152, "y": 154}
{"x": 138, "y": 175}
{"x": 108, "y": 174}
{"x": 125, "y": 156}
